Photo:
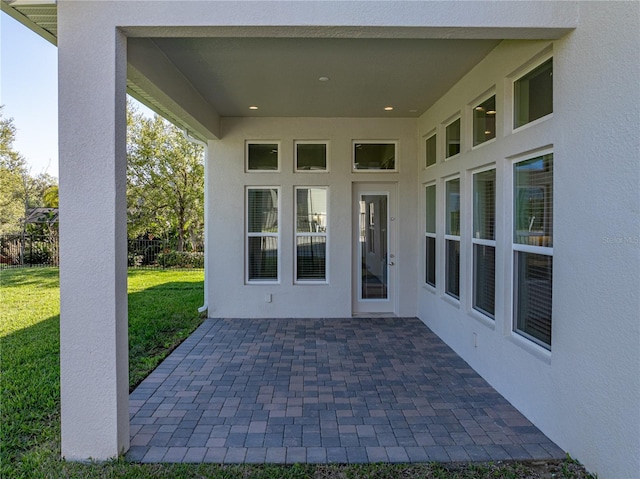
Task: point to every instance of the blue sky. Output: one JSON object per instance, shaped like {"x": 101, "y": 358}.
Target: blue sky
{"x": 29, "y": 93}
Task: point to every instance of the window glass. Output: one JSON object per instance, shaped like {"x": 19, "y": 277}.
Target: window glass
{"x": 262, "y": 156}
{"x": 484, "y": 121}
{"x": 534, "y": 201}
{"x": 262, "y": 232}
{"x": 453, "y": 138}
{"x": 311, "y": 233}
{"x": 311, "y": 156}
{"x": 452, "y": 243}
{"x": 374, "y": 156}
{"x": 533, "y": 300}
{"x": 484, "y": 205}
{"x": 430, "y": 235}
{"x": 431, "y": 150}
{"x": 453, "y": 207}
{"x": 533, "y": 94}
{"x": 484, "y": 279}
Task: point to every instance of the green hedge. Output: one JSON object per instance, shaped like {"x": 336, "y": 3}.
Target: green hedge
{"x": 182, "y": 259}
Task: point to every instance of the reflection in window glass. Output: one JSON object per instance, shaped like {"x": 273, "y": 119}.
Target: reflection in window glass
{"x": 374, "y": 156}
{"x": 533, "y": 94}
{"x": 452, "y": 237}
{"x": 431, "y": 150}
{"x": 262, "y": 232}
{"x": 311, "y": 156}
{"x": 262, "y": 156}
{"x": 430, "y": 235}
{"x": 453, "y": 138}
{"x": 311, "y": 233}
{"x": 484, "y": 121}
{"x": 534, "y": 201}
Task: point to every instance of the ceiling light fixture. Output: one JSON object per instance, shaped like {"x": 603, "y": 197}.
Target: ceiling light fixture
{"x": 479, "y": 108}
{"x": 253, "y": 107}
{"x": 487, "y": 132}
{"x": 323, "y": 79}
{"x": 491, "y": 112}
{"x": 388, "y": 108}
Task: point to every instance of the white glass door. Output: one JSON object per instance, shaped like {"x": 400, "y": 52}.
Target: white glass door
{"x": 374, "y": 248}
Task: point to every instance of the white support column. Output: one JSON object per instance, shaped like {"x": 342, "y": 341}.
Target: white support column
{"x": 93, "y": 254}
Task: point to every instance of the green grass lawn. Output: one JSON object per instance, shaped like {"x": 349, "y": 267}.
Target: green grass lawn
{"x": 162, "y": 312}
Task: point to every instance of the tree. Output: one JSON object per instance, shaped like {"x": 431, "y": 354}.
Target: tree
{"x": 19, "y": 191}
{"x": 165, "y": 181}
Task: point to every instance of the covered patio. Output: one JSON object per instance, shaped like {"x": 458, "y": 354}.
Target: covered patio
{"x": 352, "y": 390}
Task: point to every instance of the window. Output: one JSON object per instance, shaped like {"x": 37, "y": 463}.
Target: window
{"x": 532, "y": 245}
{"x": 484, "y": 121}
{"x": 453, "y": 139}
{"x": 374, "y": 156}
{"x": 311, "y": 155}
{"x": 262, "y": 156}
{"x": 483, "y": 240}
{"x": 533, "y": 94}
{"x": 311, "y": 234}
{"x": 430, "y": 235}
{"x": 452, "y": 238}
{"x": 431, "y": 150}
{"x": 262, "y": 234}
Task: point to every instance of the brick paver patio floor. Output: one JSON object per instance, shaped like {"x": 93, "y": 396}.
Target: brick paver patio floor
{"x": 348, "y": 390}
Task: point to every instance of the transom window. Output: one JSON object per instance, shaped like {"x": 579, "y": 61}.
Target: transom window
{"x": 262, "y": 156}
{"x": 484, "y": 121}
{"x": 374, "y": 155}
{"x": 311, "y": 155}
{"x": 533, "y": 94}
{"x": 430, "y": 150}
{"x": 452, "y": 134}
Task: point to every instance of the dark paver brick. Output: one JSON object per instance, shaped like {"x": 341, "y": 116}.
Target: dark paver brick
{"x": 323, "y": 391}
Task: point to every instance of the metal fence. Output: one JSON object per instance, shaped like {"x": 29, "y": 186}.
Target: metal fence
{"x": 29, "y": 250}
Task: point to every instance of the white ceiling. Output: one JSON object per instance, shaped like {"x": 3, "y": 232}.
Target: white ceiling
{"x": 281, "y": 75}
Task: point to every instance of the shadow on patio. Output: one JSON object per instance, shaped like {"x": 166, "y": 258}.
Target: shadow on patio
{"x": 351, "y": 390}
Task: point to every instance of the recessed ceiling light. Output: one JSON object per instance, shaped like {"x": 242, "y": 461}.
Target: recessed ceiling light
{"x": 487, "y": 132}
{"x": 253, "y": 107}
{"x": 479, "y": 108}
{"x": 323, "y": 79}
{"x": 491, "y": 112}
{"x": 388, "y": 108}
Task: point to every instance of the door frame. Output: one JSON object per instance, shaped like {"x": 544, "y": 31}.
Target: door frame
{"x": 377, "y": 307}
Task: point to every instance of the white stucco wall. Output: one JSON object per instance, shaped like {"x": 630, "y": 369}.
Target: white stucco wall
{"x": 228, "y": 295}
{"x": 585, "y": 393}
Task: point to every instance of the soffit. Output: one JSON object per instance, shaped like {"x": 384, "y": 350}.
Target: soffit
{"x": 281, "y": 75}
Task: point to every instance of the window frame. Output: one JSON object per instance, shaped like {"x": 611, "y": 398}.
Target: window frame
{"x": 395, "y": 144}
{"x": 483, "y": 241}
{"x": 247, "y": 143}
{"x": 525, "y": 70}
{"x": 457, "y": 117}
{"x": 326, "y": 143}
{"x": 450, "y": 238}
{"x": 520, "y": 248}
{"x": 277, "y": 235}
{"x": 297, "y": 235}
{"x": 431, "y": 235}
{"x": 433, "y": 134}
{"x": 473, "y": 107}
